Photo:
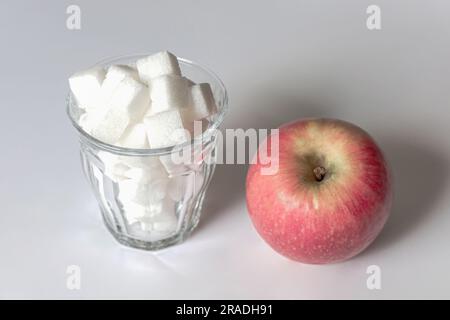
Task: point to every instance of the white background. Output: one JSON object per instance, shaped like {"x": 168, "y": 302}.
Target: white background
{"x": 280, "y": 61}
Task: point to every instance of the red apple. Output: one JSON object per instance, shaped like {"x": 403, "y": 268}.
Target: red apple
{"x": 330, "y": 196}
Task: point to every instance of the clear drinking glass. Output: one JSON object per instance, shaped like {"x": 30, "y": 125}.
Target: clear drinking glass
{"x": 165, "y": 208}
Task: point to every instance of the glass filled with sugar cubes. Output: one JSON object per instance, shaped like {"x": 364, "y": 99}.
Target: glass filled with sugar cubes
{"x": 151, "y": 198}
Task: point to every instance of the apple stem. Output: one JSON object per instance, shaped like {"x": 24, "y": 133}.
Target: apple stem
{"x": 319, "y": 173}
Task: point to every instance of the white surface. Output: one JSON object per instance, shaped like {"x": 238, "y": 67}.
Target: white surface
{"x": 279, "y": 62}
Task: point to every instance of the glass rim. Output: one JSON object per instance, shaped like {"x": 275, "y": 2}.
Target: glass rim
{"x": 154, "y": 151}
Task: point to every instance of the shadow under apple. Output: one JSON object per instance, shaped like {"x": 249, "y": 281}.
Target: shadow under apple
{"x": 419, "y": 172}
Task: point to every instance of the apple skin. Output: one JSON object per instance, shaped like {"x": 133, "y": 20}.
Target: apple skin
{"x": 325, "y": 221}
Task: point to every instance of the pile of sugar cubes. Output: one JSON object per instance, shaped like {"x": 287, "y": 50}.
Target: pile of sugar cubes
{"x": 145, "y": 105}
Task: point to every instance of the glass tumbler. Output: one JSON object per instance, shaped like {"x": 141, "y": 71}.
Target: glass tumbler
{"x": 146, "y": 198}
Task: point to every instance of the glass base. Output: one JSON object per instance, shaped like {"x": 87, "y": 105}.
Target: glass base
{"x": 153, "y": 245}
{"x": 119, "y": 232}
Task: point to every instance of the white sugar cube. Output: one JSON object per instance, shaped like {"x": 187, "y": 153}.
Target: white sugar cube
{"x": 139, "y": 175}
{"x": 85, "y": 86}
{"x": 114, "y": 76}
{"x": 138, "y": 203}
{"x": 107, "y": 157}
{"x": 135, "y": 136}
{"x": 132, "y": 191}
{"x": 145, "y": 214}
{"x": 144, "y": 162}
{"x": 91, "y": 118}
{"x": 157, "y": 190}
{"x": 169, "y": 92}
{"x": 203, "y": 103}
{"x": 162, "y": 221}
{"x": 166, "y": 223}
{"x": 155, "y": 209}
{"x": 127, "y": 104}
{"x": 161, "y": 63}
{"x": 196, "y": 127}
{"x": 145, "y": 174}
{"x": 84, "y": 123}
{"x": 117, "y": 172}
{"x": 134, "y": 212}
{"x": 114, "y": 168}
{"x": 165, "y": 129}
{"x": 143, "y": 185}
{"x": 176, "y": 188}
{"x": 175, "y": 166}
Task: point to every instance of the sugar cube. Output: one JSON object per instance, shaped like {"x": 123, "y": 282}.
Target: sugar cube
{"x": 203, "y": 103}
{"x": 145, "y": 162}
{"x": 169, "y": 92}
{"x": 165, "y": 129}
{"x": 127, "y": 104}
{"x": 114, "y": 168}
{"x": 176, "y": 168}
{"x": 144, "y": 174}
{"x": 139, "y": 175}
{"x": 134, "y": 212}
{"x": 114, "y": 75}
{"x": 157, "y": 190}
{"x": 162, "y": 220}
{"x": 177, "y": 187}
{"x": 133, "y": 191}
{"x": 84, "y": 123}
{"x": 91, "y": 118}
{"x": 195, "y": 127}
{"x": 177, "y": 164}
{"x": 166, "y": 223}
{"x": 143, "y": 213}
{"x": 135, "y": 136}
{"x": 85, "y": 86}
{"x": 161, "y": 63}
